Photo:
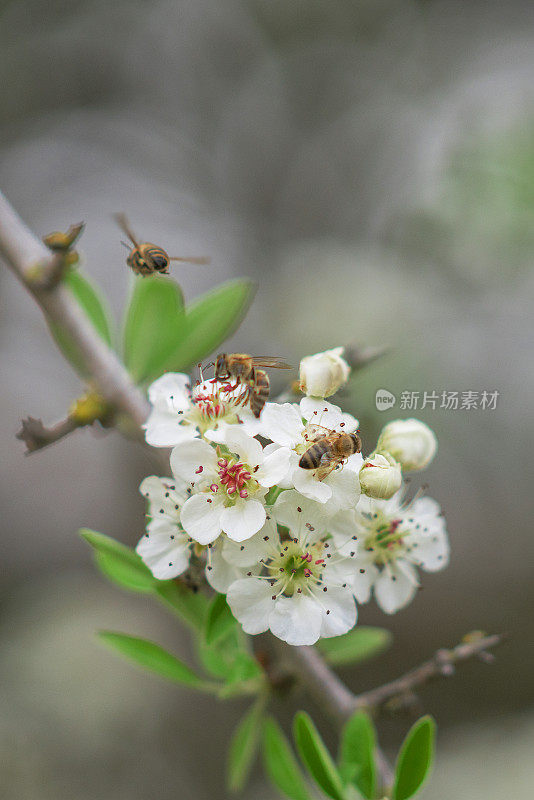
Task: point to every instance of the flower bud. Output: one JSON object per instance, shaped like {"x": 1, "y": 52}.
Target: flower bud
{"x": 324, "y": 373}
{"x": 411, "y": 442}
{"x": 380, "y": 476}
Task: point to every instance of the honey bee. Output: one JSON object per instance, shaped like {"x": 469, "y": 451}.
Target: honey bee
{"x": 146, "y": 258}
{"x": 327, "y": 452}
{"x": 244, "y": 369}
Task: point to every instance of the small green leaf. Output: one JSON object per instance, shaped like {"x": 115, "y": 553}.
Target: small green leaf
{"x": 94, "y": 307}
{"x": 280, "y": 764}
{"x": 415, "y": 759}
{"x": 189, "y": 606}
{"x": 211, "y": 319}
{"x": 155, "y": 323}
{"x": 243, "y": 747}
{"x": 119, "y": 563}
{"x": 316, "y": 757}
{"x": 357, "y": 754}
{"x": 219, "y": 620}
{"x": 356, "y": 646}
{"x": 152, "y": 657}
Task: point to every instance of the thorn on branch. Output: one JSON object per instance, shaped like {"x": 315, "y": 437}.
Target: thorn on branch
{"x": 88, "y": 409}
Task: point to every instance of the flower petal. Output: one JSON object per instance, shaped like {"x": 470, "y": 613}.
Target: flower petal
{"x": 249, "y": 552}
{"x": 173, "y": 390}
{"x": 430, "y": 549}
{"x": 201, "y": 517}
{"x": 282, "y": 424}
{"x": 303, "y": 517}
{"x": 237, "y": 440}
{"x": 251, "y": 603}
{"x": 297, "y": 620}
{"x": 275, "y": 467}
{"x": 395, "y": 587}
{"x": 365, "y": 575}
{"x": 220, "y": 573}
{"x": 189, "y": 457}
{"x": 165, "y": 549}
{"x": 342, "y": 610}
{"x": 306, "y": 483}
{"x": 321, "y": 412}
{"x": 345, "y": 486}
{"x": 243, "y": 520}
{"x": 164, "y": 429}
{"x": 165, "y": 496}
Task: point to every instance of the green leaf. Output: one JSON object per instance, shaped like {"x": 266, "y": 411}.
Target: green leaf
{"x": 354, "y": 647}
{"x": 316, "y": 757}
{"x": 228, "y": 658}
{"x": 243, "y": 747}
{"x": 415, "y": 759}
{"x": 357, "y": 754}
{"x": 119, "y": 563}
{"x": 152, "y": 657}
{"x": 94, "y": 307}
{"x": 211, "y": 319}
{"x": 155, "y": 322}
{"x": 280, "y": 763}
{"x": 219, "y": 620}
{"x": 189, "y": 606}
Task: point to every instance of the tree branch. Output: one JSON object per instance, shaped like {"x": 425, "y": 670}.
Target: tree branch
{"x": 31, "y": 260}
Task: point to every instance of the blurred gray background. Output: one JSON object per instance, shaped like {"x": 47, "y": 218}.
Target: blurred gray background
{"x": 371, "y": 164}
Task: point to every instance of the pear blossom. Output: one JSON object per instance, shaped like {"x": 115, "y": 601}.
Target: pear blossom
{"x": 228, "y": 484}
{"x": 295, "y": 584}
{"x": 181, "y": 412}
{"x": 412, "y": 443}
{"x": 296, "y": 427}
{"x": 380, "y": 476}
{"x": 394, "y": 539}
{"x": 166, "y": 547}
{"x": 323, "y": 373}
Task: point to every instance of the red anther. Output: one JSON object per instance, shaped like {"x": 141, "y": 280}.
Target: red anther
{"x": 247, "y": 476}
{"x": 320, "y": 561}
{"x": 214, "y": 487}
{"x": 230, "y": 490}
{"x": 395, "y": 524}
{"x": 199, "y": 470}
{"x": 243, "y": 493}
{"x": 307, "y": 573}
{"x": 308, "y": 558}
{"x": 222, "y": 462}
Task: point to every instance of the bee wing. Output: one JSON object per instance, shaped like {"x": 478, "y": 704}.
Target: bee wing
{"x": 122, "y": 221}
{"x": 191, "y": 259}
{"x": 270, "y": 361}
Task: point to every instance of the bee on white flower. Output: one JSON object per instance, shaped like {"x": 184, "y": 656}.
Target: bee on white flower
{"x": 395, "y": 538}
{"x": 166, "y": 547}
{"x": 180, "y": 412}
{"x": 297, "y": 427}
{"x": 228, "y": 484}
{"x": 295, "y": 584}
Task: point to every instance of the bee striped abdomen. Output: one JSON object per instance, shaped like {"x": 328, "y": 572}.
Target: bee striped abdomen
{"x": 313, "y": 455}
{"x": 260, "y": 392}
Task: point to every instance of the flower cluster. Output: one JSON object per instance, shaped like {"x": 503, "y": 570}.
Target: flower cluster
{"x": 283, "y": 512}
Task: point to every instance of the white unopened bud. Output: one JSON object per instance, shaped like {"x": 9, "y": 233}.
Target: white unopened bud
{"x": 411, "y": 442}
{"x": 380, "y": 476}
{"x": 324, "y": 373}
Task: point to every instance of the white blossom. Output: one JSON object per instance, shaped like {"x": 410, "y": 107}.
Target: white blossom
{"x": 297, "y": 585}
{"x": 228, "y": 484}
{"x": 412, "y": 443}
{"x": 323, "y": 373}
{"x": 166, "y": 547}
{"x": 180, "y": 413}
{"x": 297, "y": 427}
{"x": 394, "y": 538}
{"x": 380, "y": 476}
